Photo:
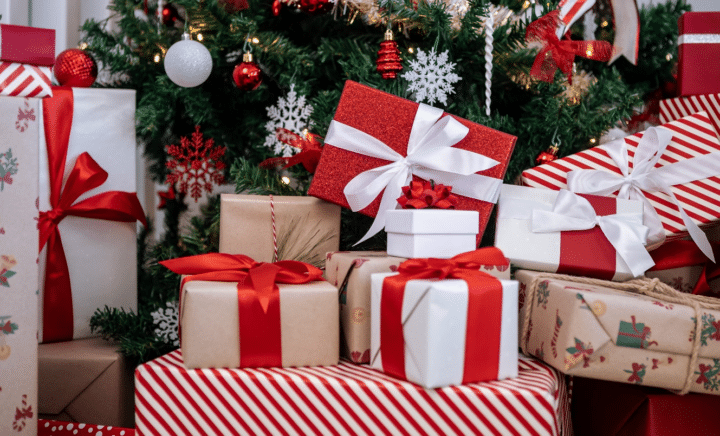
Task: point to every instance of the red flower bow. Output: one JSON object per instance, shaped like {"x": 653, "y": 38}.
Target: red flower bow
{"x": 420, "y": 195}
{"x": 560, "y": 54}
{"x": 309, "y": 147}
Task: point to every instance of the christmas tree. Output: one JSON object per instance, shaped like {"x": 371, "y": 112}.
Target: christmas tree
{"x": 283, "y": 65}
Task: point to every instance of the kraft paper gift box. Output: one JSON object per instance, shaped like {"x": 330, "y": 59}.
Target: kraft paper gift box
{"x": 88, "y": 208}
{"x": 667, "y": 167}
{"x": 672, "y": 109}
{"x": 698, "y": 53}
{"x": 372, "y": 132}
{"x": 602, "y": 408}
{"x": 86, "y": 381}
{"x": 558, "y": 231}
{"x": 683, "y": 266}
{"x": 305, "y": 227}
{"x": 27, "y": 55}
{"x": 18, "y": 264}
{"x": 443, "y": 332}
{"x": 430, "y": 232}
{"x": 235, "y": 312}
{"x": 343, "y": 399}
{"x": 598, "y": 330}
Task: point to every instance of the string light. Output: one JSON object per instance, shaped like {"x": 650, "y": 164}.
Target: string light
{"x": 83, "y": 46}
{"x": 668, "y": 56}
{"x": 255, "y": 41}
{"x": 410, "y": 50}
{"x": 593, "y": 140}
{"x": 285, "y": 180}
{"x": 157, "y": 58}
{"x": 604, "y": 23}
{"x": 199, "y": 37}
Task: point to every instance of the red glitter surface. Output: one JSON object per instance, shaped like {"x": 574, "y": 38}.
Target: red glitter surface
{"x": 389, "y": 118}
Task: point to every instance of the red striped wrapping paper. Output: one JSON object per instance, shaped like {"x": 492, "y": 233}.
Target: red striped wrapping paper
{"x": 26, "y": 57}
{"x": 672, "y": 109}
{"x": 693, "y": 135}
{"x": 346, "y": 399}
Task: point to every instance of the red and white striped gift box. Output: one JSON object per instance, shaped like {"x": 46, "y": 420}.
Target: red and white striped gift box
{"x": 26, "y": 57}
{"x": 672, "y": 109}
{"x": 23, "y": 80}
{"x": 339, "y": 400}
{"x": 693, "y": 136}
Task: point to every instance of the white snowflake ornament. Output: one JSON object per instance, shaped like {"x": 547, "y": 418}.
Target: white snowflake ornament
{"x": 166, "y": 319}
{"x": 292, "y": 113}
{"x": 431, "y": 77}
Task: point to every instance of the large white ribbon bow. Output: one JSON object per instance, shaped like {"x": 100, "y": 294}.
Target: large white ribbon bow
{"x": 430, "y": 155}
{"x": 572, "y": 212}
{"x": 645, "y": 177}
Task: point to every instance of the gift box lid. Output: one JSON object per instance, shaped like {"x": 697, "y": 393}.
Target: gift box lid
{"x": 698, "y": 22}
{"x": 432, "y": 221}
{"x": 27, "y": 45}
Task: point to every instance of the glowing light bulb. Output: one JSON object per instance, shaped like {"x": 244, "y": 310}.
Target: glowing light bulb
{"x": 285, "y": 180}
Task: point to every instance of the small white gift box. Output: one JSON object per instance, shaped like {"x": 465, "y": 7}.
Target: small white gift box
{"x": 438, "y": 233}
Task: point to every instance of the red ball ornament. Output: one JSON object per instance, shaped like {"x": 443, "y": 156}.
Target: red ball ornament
{"x": 169, "y": 15}
{"x": 74, "y": 67}
{"x": 389, "y": 62}
{"x": 276, "y": 6}
{"x": 247, "y": 75}
{"x": 548, "y": 155}
{"x": 315, "y": 6}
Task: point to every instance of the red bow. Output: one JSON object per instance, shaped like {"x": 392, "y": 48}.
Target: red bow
{"x": 85, "y": 175}
{"x": 703, "y": 369}
{"x": 23, "y": 413}
{"x": 635, "y": 377}
{"x": 26, "y": 115}
{"x": 258, "y": 297}
{"x": 420, "y": 195}
{"x": 560, "y": 54}
{"x": 675, "y": 254}
{"x": 482, "y": 335}
{"x": 309, "y": 147}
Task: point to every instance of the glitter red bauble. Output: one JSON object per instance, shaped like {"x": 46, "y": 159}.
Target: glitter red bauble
{"x": 389, "y": 62}
{"x": 548, "y": 155}
{"x": 74, "y": 67}
{"x": 247, "y": 75}
{"x": 315, "y": 6}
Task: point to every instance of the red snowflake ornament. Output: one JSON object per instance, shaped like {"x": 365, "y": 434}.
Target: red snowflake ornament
{"x": 196, "y": 164}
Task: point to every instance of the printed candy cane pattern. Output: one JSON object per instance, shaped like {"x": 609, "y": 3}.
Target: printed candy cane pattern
{"x": 22, "y": 413}
{"x": 556, "y": 332}
{"x": 24, "y": 117}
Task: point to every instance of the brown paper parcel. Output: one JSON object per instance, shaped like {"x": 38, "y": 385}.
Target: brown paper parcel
{"x": 598, "y": 332}
{"x": 210, "y": 336}
{"x": 306, "y": 227}
{"x": 85, "y": 380}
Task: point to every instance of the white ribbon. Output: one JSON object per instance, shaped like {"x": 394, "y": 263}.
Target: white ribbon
{"x": 645, "y": 177}
{"x": 430, "y": 155}
{"x": 625, "y": 233}
{"x": 699, "y": 38}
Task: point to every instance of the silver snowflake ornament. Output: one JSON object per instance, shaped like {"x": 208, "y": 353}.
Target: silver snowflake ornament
{"x": 292, "y": 113}
{"x": 431, "y": 77}
{"x": 166, "y": 320}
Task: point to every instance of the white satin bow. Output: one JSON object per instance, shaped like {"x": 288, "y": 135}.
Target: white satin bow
{"x": 572, "y": 212}
{"x": 430, "y": 155}
{"x": 645, "y": 177}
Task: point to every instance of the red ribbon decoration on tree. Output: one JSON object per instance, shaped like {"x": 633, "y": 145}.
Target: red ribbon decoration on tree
{"x": 422, "y": 194}
{"x": 482, "y": 334}
{"x": 560, "y": 54}
{"x": 680, "y": 253}
{"x": 258, "y": 297}
{"x": 85, "y": 175}
{"x": 308, "y": 156}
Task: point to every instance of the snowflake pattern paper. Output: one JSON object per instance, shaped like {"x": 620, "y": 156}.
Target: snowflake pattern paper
{"x": 195, "y": 165}
{"x": 291, "y": 113}
{"x": 166, "y": 319}
{"x": 431, "y": 77}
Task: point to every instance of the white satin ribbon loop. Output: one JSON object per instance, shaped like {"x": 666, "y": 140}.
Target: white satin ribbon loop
{"x": 645, "y": 177}
{"x": 430, "y": 155}
{"x": 572, "y": 212}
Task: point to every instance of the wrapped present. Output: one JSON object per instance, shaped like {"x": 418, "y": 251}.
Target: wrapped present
{"x": 378, "y": 142}
{"x": 236, "y": 312}
{"x": 50, "y": 427}
{"x": 85, "y": 381}
{"x": 602, "y": 408}
{"x": 673, "y": 169}
{"x": 87, "y": 195}
{"x": 641, "y": 332}
{"x": 683, "y": 266}
{"x": 270, "y": 228}
{"x": 672, "y": 109}
{"x": 442, "y": 322}
{"x": 19, "y": 130}
{"x": 27, "y": 55}
{"x": 551, "y": 231}
{"x": 698, "y": 53}
{"x": 430, "y": 232}
{"x": 345, "y": 399}
{"x": 350, "y": 272}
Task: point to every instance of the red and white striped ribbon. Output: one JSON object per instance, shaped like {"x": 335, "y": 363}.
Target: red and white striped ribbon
{"x": 346, "y": 399}
{"x": 23, "y": 80}
{"x": 692, "y": 136}
{"x": 675, "y": 108}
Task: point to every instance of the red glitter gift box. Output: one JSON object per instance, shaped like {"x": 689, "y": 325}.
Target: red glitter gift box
{"x": 698, "y": 53}
{"x": 384, "y": 118}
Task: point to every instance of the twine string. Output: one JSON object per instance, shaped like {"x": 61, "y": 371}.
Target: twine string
{"x": 274, "y": 230}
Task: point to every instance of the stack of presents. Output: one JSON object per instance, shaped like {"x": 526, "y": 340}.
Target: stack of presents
{"x": 609, "y": 318}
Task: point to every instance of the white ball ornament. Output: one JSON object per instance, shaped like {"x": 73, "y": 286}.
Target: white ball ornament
{"x": 188, "y": 63}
